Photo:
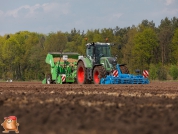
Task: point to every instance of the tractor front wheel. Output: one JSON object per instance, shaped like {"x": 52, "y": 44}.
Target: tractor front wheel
{"x": 98, "y": 73}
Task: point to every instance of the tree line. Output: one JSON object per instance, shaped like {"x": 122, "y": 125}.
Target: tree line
{"x": 22, "y": 55}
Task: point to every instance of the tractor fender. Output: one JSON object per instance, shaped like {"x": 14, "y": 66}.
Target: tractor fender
{"x": 87, "y": 63}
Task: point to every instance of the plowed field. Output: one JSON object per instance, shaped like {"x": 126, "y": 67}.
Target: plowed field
{"x": 91, "y": 109}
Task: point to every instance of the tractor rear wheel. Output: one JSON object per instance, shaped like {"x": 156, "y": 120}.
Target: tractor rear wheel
{"x": 81, "y": 74}
{"x": 124, "y": 69}
{"x": 98, "y": 73}
{"x": 48, "y": 79}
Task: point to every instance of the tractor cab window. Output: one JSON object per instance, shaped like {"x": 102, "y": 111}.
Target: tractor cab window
{"x": 103, "y": 51}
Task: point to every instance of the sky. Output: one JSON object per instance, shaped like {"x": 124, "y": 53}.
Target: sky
{"x": 46, "y": 16}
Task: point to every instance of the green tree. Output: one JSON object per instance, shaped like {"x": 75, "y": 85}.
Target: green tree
{"x": 128, "y": 47}
{"x": 165, "y": 36}
{"x": 174, "y": 22}
{"x": 174, "y": 48}
{"x": 146, "y": 23}
{"x": 153, "y": 71}
{"x": 107, "y": 34}
{"x": 2, "y": 40}
{"x": 144, "y": 45}
{"x": 174, "y": 72}
{"x": 11, "y": 53}
{"x": 56, "y": 42}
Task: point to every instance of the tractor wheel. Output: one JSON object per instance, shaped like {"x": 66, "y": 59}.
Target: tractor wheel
{"x": 48, "y": 79}
{"x": 98, "y": 73}
{"x": 81, "y": 74}
{"x": 124, "y": 69}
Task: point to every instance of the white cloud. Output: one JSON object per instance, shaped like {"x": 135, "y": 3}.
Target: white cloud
{"x": 32, "y": 11}
{"x": 169, "y": 2}
{"x": 56, "y": 7}
{"x": 16, "y": 12}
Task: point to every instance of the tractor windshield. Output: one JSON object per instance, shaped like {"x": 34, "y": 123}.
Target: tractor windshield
{"x": 100, "y": 51}
{"x": 103, "y": 50}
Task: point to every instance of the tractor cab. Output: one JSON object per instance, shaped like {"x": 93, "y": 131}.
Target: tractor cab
{"x": 100, "y": 54}
{"x": 95, "y": 51}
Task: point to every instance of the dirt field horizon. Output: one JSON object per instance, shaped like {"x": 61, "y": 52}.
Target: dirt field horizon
{"x": 91, "y": 109}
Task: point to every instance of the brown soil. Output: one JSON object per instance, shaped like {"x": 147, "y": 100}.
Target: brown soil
{"x": 91, "y": 109}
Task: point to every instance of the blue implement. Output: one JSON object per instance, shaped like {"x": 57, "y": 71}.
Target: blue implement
{"x": 124, "y": 78}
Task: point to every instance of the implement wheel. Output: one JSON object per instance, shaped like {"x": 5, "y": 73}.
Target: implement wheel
{"x": 81, "y": 74}
{"x": 48, "y": 79}
{"x": 98, "y": 73}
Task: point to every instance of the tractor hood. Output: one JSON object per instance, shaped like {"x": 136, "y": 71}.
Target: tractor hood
{"x": 112, "y": 61}
{"x": 109, "y": 63}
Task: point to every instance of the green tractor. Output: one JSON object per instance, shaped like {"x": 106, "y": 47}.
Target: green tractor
{"x": 98, "y": 63}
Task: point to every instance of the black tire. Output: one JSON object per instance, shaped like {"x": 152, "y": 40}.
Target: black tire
{"x": 124, "y": 69}
{"x": 98, "y": 73}
{"x": 48, "y": 79}
{"x": 82, "y": 74}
